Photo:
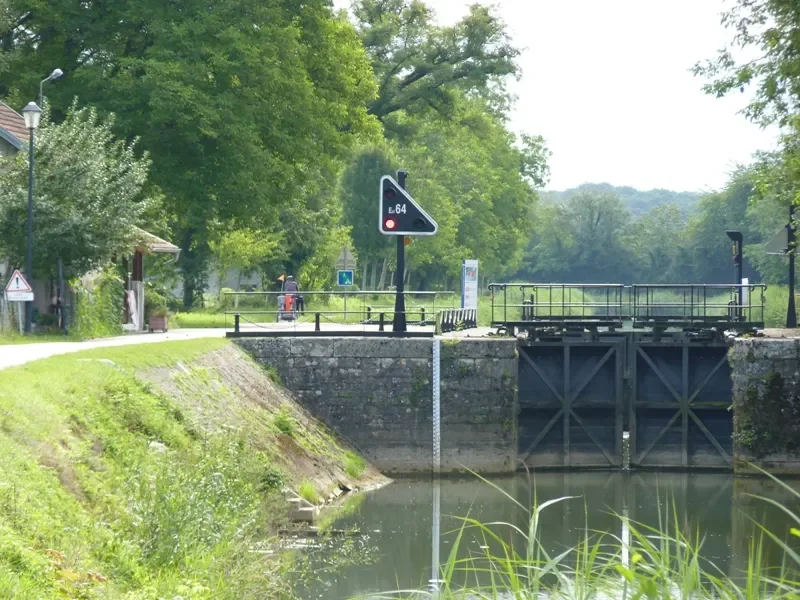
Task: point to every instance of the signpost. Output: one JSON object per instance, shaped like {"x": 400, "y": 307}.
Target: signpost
{"x": 400, "y": 215}
{"x": 18, "y": 290}
{"x": 345, "y": 278}
{"x": 469, "y": 284}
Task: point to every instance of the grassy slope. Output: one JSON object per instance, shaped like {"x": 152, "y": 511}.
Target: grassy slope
{"x": 156, "y": 486}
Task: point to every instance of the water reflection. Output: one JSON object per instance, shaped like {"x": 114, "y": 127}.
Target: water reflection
{"x": 399, "y": 519}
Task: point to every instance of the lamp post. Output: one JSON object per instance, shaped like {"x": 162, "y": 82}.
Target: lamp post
{"x": 53, "y": 76}
{"x": 32, "y": 114}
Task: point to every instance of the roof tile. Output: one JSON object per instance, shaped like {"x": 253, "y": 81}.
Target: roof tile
{"x": 13, "y": 122}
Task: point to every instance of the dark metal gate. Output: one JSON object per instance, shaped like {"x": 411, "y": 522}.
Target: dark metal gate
{"x": 680, "y": 399}
{"x": 571, "y": 403}
{"x": 672, "y": 392}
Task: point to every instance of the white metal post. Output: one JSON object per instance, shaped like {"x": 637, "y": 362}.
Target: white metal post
{"x": 437, "y": 459}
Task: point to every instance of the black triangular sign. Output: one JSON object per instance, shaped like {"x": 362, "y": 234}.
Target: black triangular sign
{"x": 400, "y": 214}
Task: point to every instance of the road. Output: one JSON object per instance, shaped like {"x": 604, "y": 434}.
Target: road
{"x": 19, "y": 354}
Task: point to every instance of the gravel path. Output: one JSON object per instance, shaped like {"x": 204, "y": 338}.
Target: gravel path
{"x": 13, "y": 355}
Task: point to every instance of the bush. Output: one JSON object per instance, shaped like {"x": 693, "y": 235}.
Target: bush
{"x": 98, "y": 305}
{"x": 284, "y": 422}
{"x": 272, "y": 479}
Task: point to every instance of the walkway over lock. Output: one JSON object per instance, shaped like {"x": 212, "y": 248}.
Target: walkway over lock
{"x": 565, "y": 306}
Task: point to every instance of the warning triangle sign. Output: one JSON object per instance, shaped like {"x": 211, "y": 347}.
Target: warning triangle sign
{"x": 17, "y": 283}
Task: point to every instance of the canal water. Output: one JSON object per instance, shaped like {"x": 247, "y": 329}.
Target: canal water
{"x": 382, "y": 540}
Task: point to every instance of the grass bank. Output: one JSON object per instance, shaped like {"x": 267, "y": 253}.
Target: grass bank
{"x": 153, "y": 471}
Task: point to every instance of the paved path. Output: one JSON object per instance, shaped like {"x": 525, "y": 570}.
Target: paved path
{"x": 19, "y": 354}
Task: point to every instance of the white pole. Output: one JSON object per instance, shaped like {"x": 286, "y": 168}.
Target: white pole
{"x": 437, "y": 460}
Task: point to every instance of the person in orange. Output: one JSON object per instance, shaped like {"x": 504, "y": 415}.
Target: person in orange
{"x": 291, "y": 287}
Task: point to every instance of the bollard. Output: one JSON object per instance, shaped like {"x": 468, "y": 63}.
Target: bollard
{"x": 380, "y": 323}
{"x": 316, "y": 321}
{"x": 369, "y": 314}
{"x": 422, "y": 316}
{"x": 236, "y": 323}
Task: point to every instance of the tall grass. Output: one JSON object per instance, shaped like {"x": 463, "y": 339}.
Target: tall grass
{"x": 661, "y": 562}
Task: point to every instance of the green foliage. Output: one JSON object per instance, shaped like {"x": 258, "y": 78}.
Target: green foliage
{"x": 638, "y": 202}
{"x": 107, "y": 491}
{"x": 272, "y": 479}
{"x": 767, "y": 29}
{"x": 250, "y": 104}
{"x": 98, "y": 305}
{"x": 354, "y": 465}
{"x": 308, "y": 492}
{"x": 89, "y": 196}
{"x": 420, "y": 65}
{"x": 245, "y": 249}
{"x": 284, "y": 422}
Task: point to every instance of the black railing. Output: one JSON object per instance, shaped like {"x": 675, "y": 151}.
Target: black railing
{"x": 557, "y": 303}
{"x": 689, "y": 305}
{"x": 609, "y": 305}
{"x": 457, "y": 319}
{"x": 324, "y": 311}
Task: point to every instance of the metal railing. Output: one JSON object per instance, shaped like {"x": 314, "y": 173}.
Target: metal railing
{"x": 320, "y": 311}
{"x": 556, "y": 303}
{"x": 610, "y": 305}
{"x": 691, "y": 304}
{"x": 456, "y": 319}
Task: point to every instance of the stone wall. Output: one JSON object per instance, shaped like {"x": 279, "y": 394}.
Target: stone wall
{"x": 766, "y": 404}
{"x": 377, "y": 393}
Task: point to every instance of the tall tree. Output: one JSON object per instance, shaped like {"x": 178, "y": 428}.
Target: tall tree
{"x": 418, "y": 65}
{"x": 245, "y": 105}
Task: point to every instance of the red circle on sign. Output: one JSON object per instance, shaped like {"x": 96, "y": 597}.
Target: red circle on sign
{"x": 390, "y": 224}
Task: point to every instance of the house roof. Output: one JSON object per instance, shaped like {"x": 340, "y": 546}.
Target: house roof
{"x": 12, "y": 127}
{"x": 152, "y": 243}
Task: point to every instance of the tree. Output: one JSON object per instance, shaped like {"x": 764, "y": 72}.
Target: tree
{"x": 773, "y": 28}
{"x": 419, "y": 65}
{"x": 244, "y": 249}
{"x": 658, "y": 238}
{"x": 246, "y": 106}
{"x": 587, "y": 238}
{"x": 358, "y": 194}
{"x": 90, "y": 196}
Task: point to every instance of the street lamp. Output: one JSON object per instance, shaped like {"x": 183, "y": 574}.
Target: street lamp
{"x": 32, "y": 114}
{"x": 53, "y": 76}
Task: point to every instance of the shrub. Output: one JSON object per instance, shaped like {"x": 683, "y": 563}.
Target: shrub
{"x": 284, "y": 422}
{"x": 307, "y": 491}
{"x": 272, "y": 479}
{"x": 98, "y": 305}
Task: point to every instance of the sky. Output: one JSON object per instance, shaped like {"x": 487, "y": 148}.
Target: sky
{"x": 607, "y": 83}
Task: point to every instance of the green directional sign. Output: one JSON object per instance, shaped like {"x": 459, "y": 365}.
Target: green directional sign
{"x": 345, "y": 278}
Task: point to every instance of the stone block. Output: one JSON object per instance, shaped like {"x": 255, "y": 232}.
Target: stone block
{"x": 479, "y": 348}
{"x": 383, "y": 347}
{"x": 265, "y": 347}
{"x": 312, "y": 347}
